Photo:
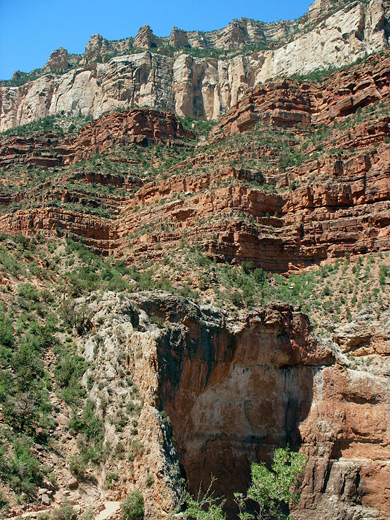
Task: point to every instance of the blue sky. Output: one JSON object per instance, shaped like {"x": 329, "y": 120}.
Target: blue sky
{"x": 31, "y": 29}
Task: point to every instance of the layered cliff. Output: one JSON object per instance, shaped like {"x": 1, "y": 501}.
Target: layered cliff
{"x": 235, "y": 390}
{"x": 190, "y": 86}
{"x": 117, "y": 385}
{"x": 291, "y": 192}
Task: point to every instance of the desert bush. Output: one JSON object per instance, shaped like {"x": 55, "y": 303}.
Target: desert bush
{"x": 88, "y": 423}
{"x": 136, "y": 448}
{"x": 77, "y": 466}
{"x": 111, "y": 478}
{"x": 28, "y": 291}
{"x": 269, "y": 496}
{"x": 6, "y": 331}
{"x": 44, "y": 516}
{"x": 68, "y": 373}
{"x": 65, "y": 512}
{"x": 132, "y": 507}
{"x": 22, "y": 470}
{"x": 203, "y": 507}
{"x": 3, "y": 501}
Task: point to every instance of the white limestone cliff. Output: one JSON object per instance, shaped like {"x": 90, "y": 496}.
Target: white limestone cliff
{"x": 197, "y": 87}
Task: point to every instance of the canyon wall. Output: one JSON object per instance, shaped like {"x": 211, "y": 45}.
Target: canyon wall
{"x": 237, "y": 388}
{"x": 330, "y": 205}
{"x": 197, "y": 87}
{"x": 294, "y": 174}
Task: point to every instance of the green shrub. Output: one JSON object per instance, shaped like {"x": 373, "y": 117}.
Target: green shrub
{"x": 6, "y": 331}
{"x": 132, "y": 507}
{"x": 384, "y": 272}
{"x": 27, "y": 366}
{"x": 22, "y": 470}
{"x": 111, "y": 478}
{"x": 11, "y": 265}
{"x": 273, "y": 490}
{"x": 44, "y": 516}
{"x": 77, "y": 466}
{"x": 89, "y": 514}
{"x": 88, "y": 423}
{"x": 149, "y": 480}
{"x": 68, "y": 373}
{"x": 3, "y": 501}
{"x": 136, "y": 448}
{"x": 28, "y": 291}
{"x": 91, "y": 429}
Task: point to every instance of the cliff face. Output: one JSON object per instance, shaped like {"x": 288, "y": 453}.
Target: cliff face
{"x": 203, "y": 88}
{"x": 235, "y": 389}
{"x": 230, "y": 391}
{"x": 296, "y": 175}
{"x": 124, "y": 128}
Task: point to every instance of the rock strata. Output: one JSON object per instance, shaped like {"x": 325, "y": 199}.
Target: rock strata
{"x": 328, "y": 206}
{"x": 59, "y": 60}
{"x": 230, "y": 390}
{"x": 141, "y": 127}
{"x": 145, "y": 38}
{"x": 290, "y": 103}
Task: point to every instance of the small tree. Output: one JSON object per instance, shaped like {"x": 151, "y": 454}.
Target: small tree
{"x": 273, "y": 491}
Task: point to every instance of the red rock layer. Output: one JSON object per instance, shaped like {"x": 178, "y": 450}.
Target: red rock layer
{"x": 306, "y": 226}
{"x": 289, "y": 103}
{"x": 124, "y": 128}
{"x": 118, "y": 128}
{"x": 335, "y": 204}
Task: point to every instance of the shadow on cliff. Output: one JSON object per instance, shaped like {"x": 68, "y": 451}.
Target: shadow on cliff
{"x": 234, "y": 391}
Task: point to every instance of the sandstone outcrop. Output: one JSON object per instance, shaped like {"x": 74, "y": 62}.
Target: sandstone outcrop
{"x": 290, "y": 103}
{"x": 204, "y": 88}
{"x": 178, "y": 38}
{"x": 135, "y": 126}
{"x": 59, "y": 60}
{"x": 145, "y": 38}
{"x": 141, "y": 127}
